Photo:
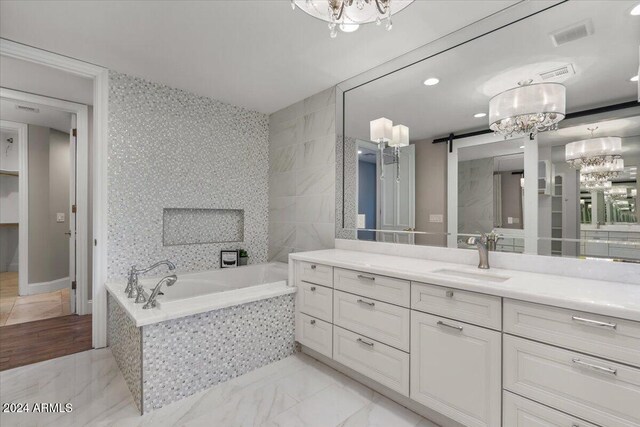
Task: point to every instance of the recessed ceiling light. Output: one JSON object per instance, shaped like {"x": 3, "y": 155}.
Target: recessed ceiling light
{"x": 478, "y": 115}
{"x": 431, "y": 81}
{"x": 634, "y": 78}
{"x": 522, "y": 146}
{"x": 349, "y": 28}
{"x": 359, "y": 151}
{"x": 636, "y": 10}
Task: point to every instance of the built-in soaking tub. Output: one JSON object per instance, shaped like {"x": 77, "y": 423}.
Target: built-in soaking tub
{"x": 207, "y": 328}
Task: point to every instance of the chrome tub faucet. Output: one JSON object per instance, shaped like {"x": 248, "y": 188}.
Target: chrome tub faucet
{"x": 483, "y": 251}
{"x": 151, "y": 302}
{"x": 132, "y": 282}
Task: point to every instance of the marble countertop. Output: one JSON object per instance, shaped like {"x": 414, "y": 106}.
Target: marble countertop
{"x": 615, "y": 299}
{"x": 204, "y": 303}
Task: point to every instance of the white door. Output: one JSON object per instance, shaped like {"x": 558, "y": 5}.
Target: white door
{"x": 72, "y": 214}
{"x": 456, "y": 369}
{"x": 397, "y": 197}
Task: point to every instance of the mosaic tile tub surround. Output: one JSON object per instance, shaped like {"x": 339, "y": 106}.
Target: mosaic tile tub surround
{"x": 169, "y": 148}
{"x": 180, "y": 357}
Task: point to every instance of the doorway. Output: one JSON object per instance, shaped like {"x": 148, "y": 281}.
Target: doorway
{"x": 39, "y": 238}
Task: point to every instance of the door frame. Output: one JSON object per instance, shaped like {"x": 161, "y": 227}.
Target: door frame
{"x": 82, "y": 193}
{"x": 23, "y": 201}
{"x": 100, "y": 77}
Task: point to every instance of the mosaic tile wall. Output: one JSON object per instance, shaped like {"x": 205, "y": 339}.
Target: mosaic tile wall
{"x": 172, "y": 149}
{"x": 302, "y": 176}
{"x": 125, "y": 341}
{"x": 191, "y": 226}
{"x": 187, "y": 355}
{"x": 346, "y": 191}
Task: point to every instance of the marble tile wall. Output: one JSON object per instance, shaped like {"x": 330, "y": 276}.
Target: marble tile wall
{"x": 125, "y": 341}
{"x": 302, "y": 176}
{"x": 475, "y": 196}
{"x": 169, "y": 148}
{"x": 186, "y": 355}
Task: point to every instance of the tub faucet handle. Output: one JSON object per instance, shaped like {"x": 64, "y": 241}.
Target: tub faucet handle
{"x": 151, "y": 301}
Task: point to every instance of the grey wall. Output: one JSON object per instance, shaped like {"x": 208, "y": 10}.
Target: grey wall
{"x": 302, "y": 176}
{"x": 475, "y": 196}
{"x": 169, "y": 148}
{"x": 49, "y": 169}
{"x": 431, "y": 192}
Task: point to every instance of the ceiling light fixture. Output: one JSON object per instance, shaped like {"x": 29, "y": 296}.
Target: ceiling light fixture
{"x": 594, "y": 152}
{"x": 351, "y": 13}
{"x": 634, "y": 78}
{"x": 479, "y": 115}
{"x": 432, "y": 81}
{"x": 527, "y": 109}
{"x": 636, "y": 10}
{"x": 383, "y": 131}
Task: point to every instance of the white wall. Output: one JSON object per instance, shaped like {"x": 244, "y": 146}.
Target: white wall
{"x": 302, "y": 171}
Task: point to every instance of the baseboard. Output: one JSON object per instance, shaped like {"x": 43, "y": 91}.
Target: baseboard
{"x": 43, "y": 287}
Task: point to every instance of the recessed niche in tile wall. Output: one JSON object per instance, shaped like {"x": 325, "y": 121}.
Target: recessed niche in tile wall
{"x": 186, "y": 226}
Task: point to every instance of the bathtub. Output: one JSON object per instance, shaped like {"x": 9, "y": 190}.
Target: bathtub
{"x": 208, "y": 327}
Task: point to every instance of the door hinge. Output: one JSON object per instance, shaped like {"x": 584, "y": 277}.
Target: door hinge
{"x": 73, "y": 209}
{"x": 74, "y": 132}
{"x": 73, "y": 284}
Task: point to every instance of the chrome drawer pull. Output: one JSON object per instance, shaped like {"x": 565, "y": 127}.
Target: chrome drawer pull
{"x": 371, "y": 304}
{"x": 313, "y": 322}
{"x": 313, "y": 266}
{"x": 591, "y": 322}
{"x": 595, "y": 367}
{"x": 441, "y": 323}
{"x": 362, "y": 276}
{"x": 313, "y": 289}
{"x": 360, "y": 340}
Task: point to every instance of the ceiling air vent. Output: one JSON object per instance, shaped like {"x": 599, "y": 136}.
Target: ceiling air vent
{"x": 27, "y": 109}
{"x": 572, "y": 33}
{"x": 560, "y": 73}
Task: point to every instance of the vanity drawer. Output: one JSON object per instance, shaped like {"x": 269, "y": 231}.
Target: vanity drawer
{"x": 315, "y": 273}
{"x": 315, "y": 300}
{"x": 608, "y": 337}
{"x": 470, "y": 307}
{"x": 315, "y": 334}
{"x": 599, "y": 391}
{"x": 380, "y": 321}
{"x": 384, "y": 364}
{"x": 382, "y": 288}
{"x": 521, "y": 412}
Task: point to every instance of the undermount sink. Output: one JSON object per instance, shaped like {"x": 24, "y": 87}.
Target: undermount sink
{"x": 475, "y": 276}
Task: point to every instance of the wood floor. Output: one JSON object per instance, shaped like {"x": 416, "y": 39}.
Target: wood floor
{"x": 15, "y": 309}
{"x": 33, "y": 342}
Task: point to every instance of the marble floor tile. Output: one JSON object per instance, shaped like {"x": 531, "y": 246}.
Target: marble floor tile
{"x": 34, "y": 311}
{"x": 46, "y": 297}
{"x": 296, "y": 391}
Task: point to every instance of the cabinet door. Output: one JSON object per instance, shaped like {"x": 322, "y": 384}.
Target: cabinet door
{"x": 455, "y": 369}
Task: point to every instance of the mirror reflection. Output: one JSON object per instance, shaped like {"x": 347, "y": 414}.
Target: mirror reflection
{"x": 534, "y": 143}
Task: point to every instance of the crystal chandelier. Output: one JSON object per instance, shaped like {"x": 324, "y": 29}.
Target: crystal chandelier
{"x": 383, "y": 131}
{"x": 348, "y": 15}
{"x": 616, "y": 193}
{"x": 603, "y": 152}
{"x": 606, "y": 171}
{"x": 527, "y": 109}
{"x": 594, "y": 185}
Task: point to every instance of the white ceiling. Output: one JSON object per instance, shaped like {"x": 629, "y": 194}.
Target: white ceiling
{"x": 471, "y": 74}
{"x": 257, "y": 54}
{"x": 46, "y": 116}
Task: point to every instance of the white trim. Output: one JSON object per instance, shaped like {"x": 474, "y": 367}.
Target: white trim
{"x": 23, "y": 203}
{"x": 100, "y": 76}
{"x": 52, "y": 286}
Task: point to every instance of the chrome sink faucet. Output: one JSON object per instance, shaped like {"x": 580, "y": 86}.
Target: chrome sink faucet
{"x": 483, "y": 251}
{"x": 151, "y": 302}
{"x": 132, "y": 282}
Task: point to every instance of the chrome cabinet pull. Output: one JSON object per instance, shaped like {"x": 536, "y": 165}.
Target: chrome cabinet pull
{"x": 441, "y": 323}
{"x": 360, "y": 340}
{"x": 595, "y": 367}
{"x": 362, "y": 276}
{"x": 313, "y": 266}
{"x": 369, "y": 303}
{"x": 592, "y": 322}
{"x": 313, "y": 289}
{"x": 313, "y": 322}
{"x": 449, "y": 294}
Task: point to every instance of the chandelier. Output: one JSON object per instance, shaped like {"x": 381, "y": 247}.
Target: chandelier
{"x": 383, "y": 131}
{"x": 527, "y": 109}
{"x": 603, "y": 152}
{"x": 616, "y": 193}
{"x": 603, "y": 172}
{"x": 348, "y": 15}
{"x": 594, "y": 185}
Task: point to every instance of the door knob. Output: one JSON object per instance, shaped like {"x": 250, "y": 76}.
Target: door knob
{"x": 68, "y": 233}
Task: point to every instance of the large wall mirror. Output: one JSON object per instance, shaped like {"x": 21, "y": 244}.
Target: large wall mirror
{"x": 555, "y": 175}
